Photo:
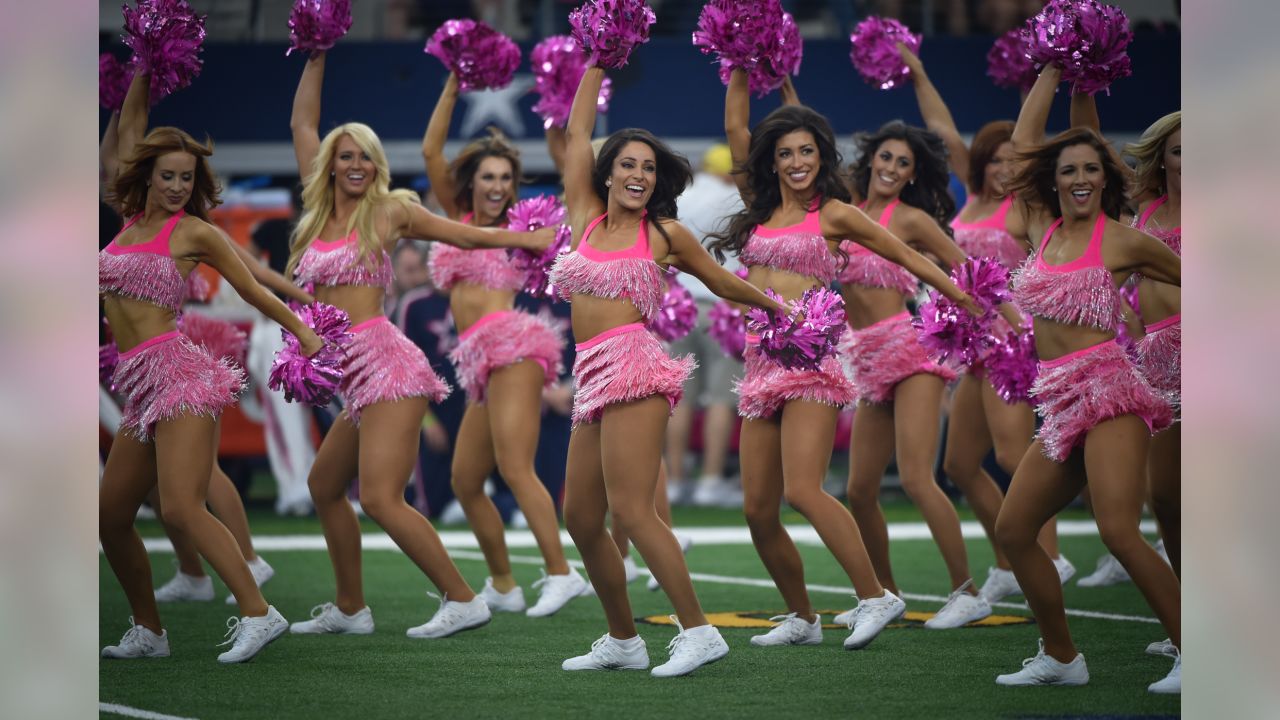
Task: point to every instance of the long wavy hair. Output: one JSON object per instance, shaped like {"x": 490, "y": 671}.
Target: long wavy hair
{"x": 1036, "y": 181}
{"x": 986, "y": 142}
{"x": 764, "y": 189}
{"x": 318, "y": 197}
{"x": 931, "y": 190}
{"x": 464, "y": 167}
{"x": 673, "y": 173}
{"x": 129, "y": 189}
{"x": 1149, "y": 175}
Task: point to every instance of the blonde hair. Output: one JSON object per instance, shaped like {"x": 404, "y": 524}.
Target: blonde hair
{"x": 318, "y": 197}
{"x": 1149, "y": 176}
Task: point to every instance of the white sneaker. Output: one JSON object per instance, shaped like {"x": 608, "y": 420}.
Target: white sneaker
{"x": 1164, "y": 554}
{"x": 138, "y": 642}
{"x": 248, "y": 635}
{"x": 519, "y": 521}
{"x": 1109, "y": 572}
{"x": 678, "y": 491}
{"x": 1172, "y": 683}
{"x": 184, "y": 587}
{"x": 1161, "y": 647}
{"x": 609, "y": 653}
{"x": 686, "y": 542}
{"x": 790, "y": 629}
{"x": 1000, "y": 584}
{"x": 691, "y": 649}
{"x": 328, "y": 619}
{"x": 511, "y": 601}
{"x": 870, "y": 617}
{"x": 960, "y": 610}
{"x": 453, "y": 514}
{"x": 1065, "y": 569}
{"x": 710, "y": 491}
{"x": 555, "y": 591}
{"x": 452, "y": 617}
{"x": 262, "y": 572}
{"x": 629, "y": 567}
{"x": 357, "y": 507}
{"x": 1044, "y": 670}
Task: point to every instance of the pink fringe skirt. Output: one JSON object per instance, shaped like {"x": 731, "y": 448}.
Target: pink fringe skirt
{"x": 219, "y": 337}
{"x": 884, "y": 354}
{"x": 767, "y": 386}
{"x": 383, "y": 365}
{"x": 1080, "y": 390}
{"x": 1160, "y": 360}
{"x": 625, "y": 364}
{"x": 505, "y": 338}
{"x": 167, "y": 377}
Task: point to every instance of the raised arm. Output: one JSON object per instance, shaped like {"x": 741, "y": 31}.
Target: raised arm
{"x": 1084, "y": 112}
{"x": 789, "y": 94}
{"x": 109, "y": 151}
{"x": 579, "y": 196}
{"x": 1029, "y": 130}
{"x": 305, "y": 121}
{"x": 737, "y": 117}
{"x": 689, "y": 256}
{"x": 555, "y": 147}
{"x": 133, "y": 115}
{"x": 413, "y": 220}
{"x": 433, "y": 147}
{"x": 935, "y": 113}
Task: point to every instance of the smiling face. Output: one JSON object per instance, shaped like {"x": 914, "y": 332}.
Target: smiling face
{"x": 999, "y": 171}
{"x": 796, "y": 160}
{"x": 492, "y": 188}
{"x": 1172, "y": 160}
{"x": 353, "y": 170}
{"x": 173, "y": 177}
{"x": 1079, "y": 179}
{"x": 633, "y": 176}
{"x": 892, "y": 166}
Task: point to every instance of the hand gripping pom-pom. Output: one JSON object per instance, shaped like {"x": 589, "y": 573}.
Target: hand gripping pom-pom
{"x": 114, "y": 78}
{"x": 1087, "y": 39}
{"x": 108, "y": 358}
{"x": 481, "y": 57}
{"x": 1012, "y": 365}
{"x": 947, "y": 330}
{"x": 754, "y": 35}
{"x": 1008, "y": 64}
{"x": 727, "y": 329}
{"x": 608, "y": 30}
{"x": 678, "y": 314}
{"x": 558, "y": 66}
{"x": 805, "y": 335}
{"x": 532, "y": 214}
{"x": 875, "y": 51}
{"x": 316, "y": 25}
{"x": 166, "y": 37}
{"x": 312, "y": 380}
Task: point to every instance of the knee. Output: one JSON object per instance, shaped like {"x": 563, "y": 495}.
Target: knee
{"x": 802, "y": 499}
{"x": 178, "y": 516}
{"x": 918, "y": 484}
{"x": 1011, "y": 534}
{"x": 631, "y": 521}
{"x": 1121, "y": 538}
{"x": 379, "y": 505}
{"x": 323, "y": 489}
{"x": 114, "y": 518}
{"x": 581, "y": 523}
{"x": 516, "y": 471}
{"x": 863, "y": 496}
{"x": 760, "y": 514}
{"x": 1008, "y": 459}
{"x": 958, "y": 470}
{"x": 465, "y": 486}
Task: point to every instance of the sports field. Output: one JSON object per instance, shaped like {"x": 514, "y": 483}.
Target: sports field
{"x": 511, "y": 668}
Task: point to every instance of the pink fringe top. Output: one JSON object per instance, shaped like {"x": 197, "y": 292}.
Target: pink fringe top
{"x": 1172, "y": 237}
{"x": 629, "y": 274}
{"x": 491, "y": 267}
{"x": 145, "y": 271}
{"x": 988, "y": 238}
{"x": 799, "y": 249}
{"x": 1080, "y": 292}
{"x": 869, "y": 270}
{"x": 337, "y": 262}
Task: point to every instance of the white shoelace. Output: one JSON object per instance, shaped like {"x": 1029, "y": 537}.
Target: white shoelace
{"x": 238, "y": 631}
{"x": 446, "y": 611}
{"x": 954, "y": 596}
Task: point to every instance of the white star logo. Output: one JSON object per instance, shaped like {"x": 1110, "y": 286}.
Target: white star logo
{"x": 497, "y": 107}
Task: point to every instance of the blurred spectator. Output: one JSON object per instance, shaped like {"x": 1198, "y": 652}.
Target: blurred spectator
{"x": 409, "y": 268}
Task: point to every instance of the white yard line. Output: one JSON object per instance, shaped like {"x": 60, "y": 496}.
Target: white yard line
{"x": 135, "y": 712}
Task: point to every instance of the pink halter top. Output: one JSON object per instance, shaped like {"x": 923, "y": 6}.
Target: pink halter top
{"x": 799, "y": 249}
{"x": 869, "y": 270}
{"x": 1080, "y": 292}
{"x": 1172, "y": 237}
{"x": 988, "y": 238}
{"x": 491, "y": 267}
{"x": 328, "y": 263}
{"x": 630, "y": 273}
{"x": 145, "y": 271}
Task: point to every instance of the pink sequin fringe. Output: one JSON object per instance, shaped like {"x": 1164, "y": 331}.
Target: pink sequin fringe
{"x": 383, "y": 365}
{"x": 167, "y": 377}
{"x": 767, "y": 386}
{"x": 884, "y": 354}
{"x": 219, "y": 337}
{"x": 501, "y": 339}
{"x": 622, "y": 365}
{"x": 1160, "y": 359}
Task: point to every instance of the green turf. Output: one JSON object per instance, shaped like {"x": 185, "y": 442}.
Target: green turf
{"x": 511, "y": 667}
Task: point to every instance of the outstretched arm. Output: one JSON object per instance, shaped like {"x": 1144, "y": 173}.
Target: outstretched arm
{"x": 579, "y": 196}
{"x": 737, "y": 116}
{"x": 923, "y": 230}
{"x": 433, "y": 147}
{"x": 268, "y": 278}
{"x": 413, "y": 220}
{"x": 133, "y": 115}
{"x": 1142, "y": 253}
{"x": 935, "y": 113}
{"x": 694, "y": 259}
{"x": 305, "y": 121}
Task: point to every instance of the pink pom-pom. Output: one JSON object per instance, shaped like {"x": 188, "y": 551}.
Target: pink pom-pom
{"x": 754, "y": 35}
{"x": 532, "y": 214}
{"x": 166, "y": 37}
{"x": 315, "y": 25}
{"x": 1012, "y": 365}
{"x": 678, "y": 314}
{"x": 984, "y": 279}
{"x": 312, "y": 380}
{"x": 948, "y": 330}
{"x": 1087, "y": 39}
{"x": 480, "y": 56}
{"x": 608, "y": 30}
{"x": 1008, "y": 64}
{"x": 108, "y": 358}
{"x": 114, "y": 78}
{"x": 803, "y": 337}
{"x": 727, "y": 328}
{"x": 558, "y": 66}
{"x": 875, "y": 51}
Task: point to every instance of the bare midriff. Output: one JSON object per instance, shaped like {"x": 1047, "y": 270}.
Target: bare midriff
{"x": 866, "y": 306}
{"x": 134, "y": 321}
{"x": 360, "y": 302}
{"x": 593, "y": 315}
{"x": 1158, "y": 301}
{"x": 1055, "y": 339}
{"x": 469, "y": 302}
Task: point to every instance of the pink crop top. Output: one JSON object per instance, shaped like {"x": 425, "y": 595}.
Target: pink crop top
{"x": 145, "y": 271}
{"x": 327, "y": 263}
{"x": 1171, "y": 237}
{"x": 491, "y": 268}
{"x": 988, "y": 238}
{"x": 1080, "y": 292}
{"x": 869, "y": 270}
{"x": 630, "y": 273}
{"x": 799, "y": 249}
